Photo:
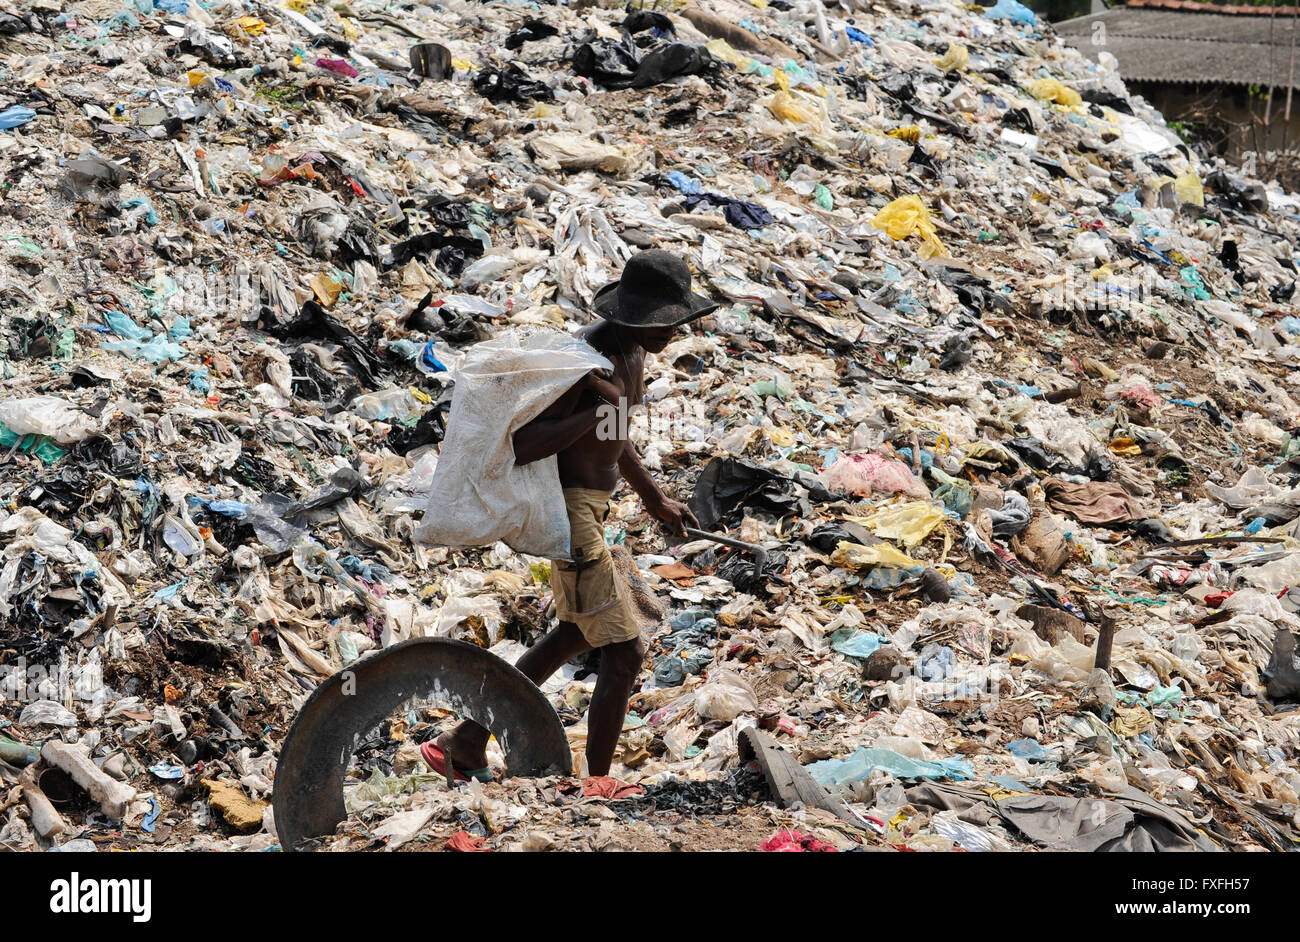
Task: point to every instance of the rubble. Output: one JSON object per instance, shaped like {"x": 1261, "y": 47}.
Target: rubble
{"x": 1000, "y": 362}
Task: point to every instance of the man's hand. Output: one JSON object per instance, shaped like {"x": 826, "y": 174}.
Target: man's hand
{"x": 674, "y": 514}
{"x": 598, "y": 381}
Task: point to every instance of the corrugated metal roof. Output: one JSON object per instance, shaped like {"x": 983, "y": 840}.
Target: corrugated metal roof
{"x": 1196, "y": 6}
{"x": 1163, "y": 45}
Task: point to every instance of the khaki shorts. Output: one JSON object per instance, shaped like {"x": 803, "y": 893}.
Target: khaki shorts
{"x": 588, "y": 590}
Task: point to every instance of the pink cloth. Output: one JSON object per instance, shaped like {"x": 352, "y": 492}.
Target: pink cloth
{"x": 793, "y": 842}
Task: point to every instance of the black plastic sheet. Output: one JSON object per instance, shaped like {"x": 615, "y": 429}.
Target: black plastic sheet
{"x": 313, "y": 321}
{"x": 511, "y": 84}
{"x": 728, "y": 484}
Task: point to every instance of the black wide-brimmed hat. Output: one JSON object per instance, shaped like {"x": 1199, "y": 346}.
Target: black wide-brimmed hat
{"x": 654, "y": 291}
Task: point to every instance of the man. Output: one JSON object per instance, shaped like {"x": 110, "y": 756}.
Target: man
{"x": 641, "y": 313}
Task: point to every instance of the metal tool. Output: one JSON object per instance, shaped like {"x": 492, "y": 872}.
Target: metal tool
{"x": 308, "y": 797}
{"x": 760, "y": 554}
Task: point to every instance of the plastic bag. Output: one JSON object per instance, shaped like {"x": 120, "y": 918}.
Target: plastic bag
{"x": 1188, "y": 189}
{"x": 49, "y": 416}
{"x": 906, "y": 216}
{"x": 1274, "y": 576}
{"x": 15, "y": 116}
{"x": 1050, "y": 89}
{"x": 910, "y": 522}
{"x": 579, "y": 152}
{"x": 954, "y": 492}
{"x": 784, "y": 106}
{"x": 856, "y": 556}
{"x": 862, "y": 644}
{"x": 724, "y": 697}
{"x": 865, "y": 474}
{"x": 479, "y": 495}
{"x": 46, "y": 713}
{"x": 865, "y": 761}
{"x": 157, "y": 351}
{"x": 1068, "y": 660}
{"x": 1012, "y": 10}
{"x": 957, "y": 57}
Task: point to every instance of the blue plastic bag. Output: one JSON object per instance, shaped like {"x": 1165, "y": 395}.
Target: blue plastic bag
{"x": 1012, "y": 10}
{"x": 156, "y": 351}
{"x": 16, "y": 116}
{"x": 865, "y": 761}
{"x": 863, "y": 644}
{"x": 1031, "y": 749}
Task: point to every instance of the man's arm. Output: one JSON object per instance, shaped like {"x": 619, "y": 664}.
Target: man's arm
{"x": 542, "y": 438}
{"x": 558, "y": 426}
{"x": 658, "y": 504}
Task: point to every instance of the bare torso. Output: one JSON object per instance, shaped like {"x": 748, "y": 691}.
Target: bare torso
{"x": 592, "y": 461}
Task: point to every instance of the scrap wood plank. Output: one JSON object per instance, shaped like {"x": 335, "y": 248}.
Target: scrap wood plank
{"x": 789, "y": 783}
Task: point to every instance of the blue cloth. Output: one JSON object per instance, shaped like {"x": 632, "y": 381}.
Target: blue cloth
{"x": 740, "y": 214}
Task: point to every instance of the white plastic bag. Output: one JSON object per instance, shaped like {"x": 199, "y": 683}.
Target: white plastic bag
{"x": 725, "y": 697}
{"x": 479, "y": 495}
{"x": 50, "y": 416}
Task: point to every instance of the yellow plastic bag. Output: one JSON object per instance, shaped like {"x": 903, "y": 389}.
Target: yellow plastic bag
{"x": 721, "y": 49}
{"x": 780, "y": 437}
{"x": 1187, "y": 188}
{"x": 957, "y": 57}
{"x": 905, "y": 216}
{"x": 1049, "y": 89}
{"x": 326, "y": 289}
{"x": 856, "y": 556}
{"x": 784, "y": 106}
{"x": 251, "y": 25}
{"x": 910, "y": 522}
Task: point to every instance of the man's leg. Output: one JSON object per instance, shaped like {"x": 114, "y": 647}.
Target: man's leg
{"x": 466, "y": 743}
{"x": 620, "y": 664}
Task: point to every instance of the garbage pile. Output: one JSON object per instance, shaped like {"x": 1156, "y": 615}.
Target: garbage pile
{"x": 1002, "y": 381}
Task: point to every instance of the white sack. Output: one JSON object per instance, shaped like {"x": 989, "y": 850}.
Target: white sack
{"x": 479, "y": 495}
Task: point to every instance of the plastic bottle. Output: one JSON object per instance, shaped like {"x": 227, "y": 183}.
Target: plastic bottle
{"x": 178, "y": 537}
